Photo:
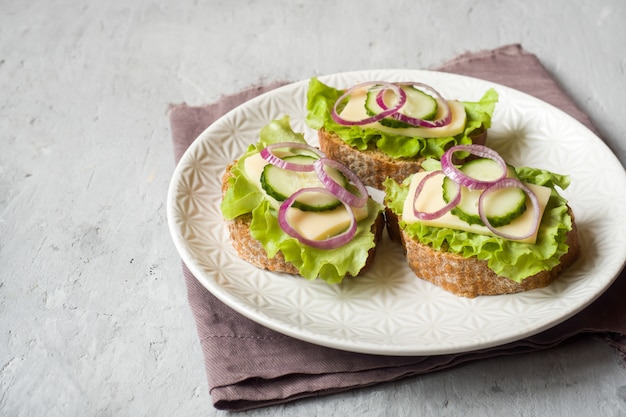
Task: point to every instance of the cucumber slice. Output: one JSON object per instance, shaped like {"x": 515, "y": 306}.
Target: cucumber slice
{"x": 501, "y": 206}
{"x": 484, "y": 169}
{"x": 418, "y": 105}
{"x": 281, "y": 184}
{"x": 504, "y": 205}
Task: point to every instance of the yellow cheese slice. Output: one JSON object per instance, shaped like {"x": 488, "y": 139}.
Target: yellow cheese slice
{"x": 430, "y": 199}
{"x": 321, "y": 225}
{"x": 312, "y": 225}
{"x": 253, "y": 167}
{"x": 355, "y": 110}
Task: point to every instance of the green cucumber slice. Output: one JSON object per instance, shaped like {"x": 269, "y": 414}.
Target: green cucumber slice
{"x": 281, "y": 184}
{"x": 504, "y": 205}
{"x": 484, "y": 169}
{"x": 501, "y": 206}
{"x": 418, "y": 105}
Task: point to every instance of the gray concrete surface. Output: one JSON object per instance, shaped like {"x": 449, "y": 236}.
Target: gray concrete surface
{"x": 93, "y": 312}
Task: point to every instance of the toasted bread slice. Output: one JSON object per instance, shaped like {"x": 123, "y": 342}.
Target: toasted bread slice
{"x": 471, "y": 277}
{"x": 372, "y": 165}
{"x": 250, "y": 250}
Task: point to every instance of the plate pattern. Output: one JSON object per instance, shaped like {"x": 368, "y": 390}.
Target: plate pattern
{"x": 388, "y": 310}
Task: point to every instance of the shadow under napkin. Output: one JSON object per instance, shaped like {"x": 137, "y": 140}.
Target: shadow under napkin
{"x": 250, "y": 366}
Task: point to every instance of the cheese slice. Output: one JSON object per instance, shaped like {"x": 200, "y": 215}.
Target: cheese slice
{"x": 314, "y": 225}
{"x": 253, "y": 167}
{"x": 355, "y": 110}
{"x": 430, "y": 199}
{"x": 321, "y": 225}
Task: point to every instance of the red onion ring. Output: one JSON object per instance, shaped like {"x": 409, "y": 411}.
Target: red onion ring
{"x": 506, "y": 183}
{"x": 330, "y": 243}
{"x": 459, "y": 177}
{"x": 422, "y": 215}
{"x": 443, "y": 121}
{"x": 266, "y": 153}
{"x": 336, "y": 189}
{"x": 389, "y": 111}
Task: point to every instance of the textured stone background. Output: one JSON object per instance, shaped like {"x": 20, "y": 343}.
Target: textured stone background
{"x": 93, "y": 313}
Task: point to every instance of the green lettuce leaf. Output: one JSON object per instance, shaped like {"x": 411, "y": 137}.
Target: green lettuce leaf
{"x": 507, "y": 258}
{"x": 243, "y": 197}
{"x": 321, "y": 99}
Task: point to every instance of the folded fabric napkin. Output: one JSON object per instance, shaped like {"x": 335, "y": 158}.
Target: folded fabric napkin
{"x": 250, "y": 366}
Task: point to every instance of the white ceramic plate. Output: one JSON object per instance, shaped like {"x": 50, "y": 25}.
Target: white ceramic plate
{"x": 388, "y": 310}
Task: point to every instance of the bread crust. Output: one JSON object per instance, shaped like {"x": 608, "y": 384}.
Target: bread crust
{"x": 471, "y": 277}
{"x": 372, "y": 165}
{"x": 250, "y": 250}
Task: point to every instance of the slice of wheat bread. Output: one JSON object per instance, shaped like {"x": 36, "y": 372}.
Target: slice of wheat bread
{"x": 251, "y": 250}
{"x": 372, "y": 165}
{"x": 471, "y": 277}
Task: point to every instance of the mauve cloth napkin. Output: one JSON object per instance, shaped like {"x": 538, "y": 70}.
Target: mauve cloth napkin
{"x": 250, "y": 366}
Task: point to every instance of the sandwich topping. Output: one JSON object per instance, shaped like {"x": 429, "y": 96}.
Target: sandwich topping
{"x": 484, "y": 194}
{"x": 397, "y": 105}
{"x": 314, "y": 184}
{"x": 402, "y": 119}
